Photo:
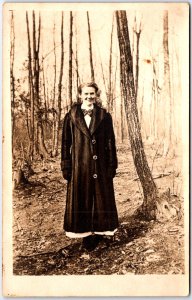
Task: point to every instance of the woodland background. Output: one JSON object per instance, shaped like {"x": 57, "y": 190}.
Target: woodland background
{"x": 51, "y": 53}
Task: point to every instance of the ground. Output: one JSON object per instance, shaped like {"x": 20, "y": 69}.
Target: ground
{"x": 40, "y": 246}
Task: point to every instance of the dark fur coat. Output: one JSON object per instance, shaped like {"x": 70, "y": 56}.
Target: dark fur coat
{"x": 89, "y": 162}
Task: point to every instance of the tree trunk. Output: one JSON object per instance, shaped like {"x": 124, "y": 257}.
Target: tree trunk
{"x": 78, "y": 80}
{"x": 138, "y": 33}
{"x": 166, "y": 101}
{"x": 155, "y": 88}
{"x": 39, "y": 141}
{"x": 110, "y": 93}
{"x": 54, "y": 90}
{"x": 150, "y": 207}
{"x": 70, "y": 58}
{"x": 90, "y": 49}
{"x": 55, "y": 149}
{"x": 122, "y": 116}
{"x": 31, "y": 94}
{"x": 12, "y": 83}
{"x": 103, "y": 75}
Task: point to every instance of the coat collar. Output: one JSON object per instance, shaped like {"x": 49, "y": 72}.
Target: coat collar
{"x": 79, "y": 121}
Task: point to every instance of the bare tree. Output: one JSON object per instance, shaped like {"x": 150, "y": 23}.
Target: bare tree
{"x": 137, "y": 33}
{"x": 31, "y": 92}
{"x": 12, "y": 83}
{"x": 70, "y": 58}
{"x": 39, "y": 137}
{"x": 90, "y": 49}
{"x": 110, "y": 92}
{"x": 167, "y": 87}
{"x": 54, "y": 92}
{"x": 76, "y": 58}
{"x": 57, "y": 125}
{"x": 152, "y": 204}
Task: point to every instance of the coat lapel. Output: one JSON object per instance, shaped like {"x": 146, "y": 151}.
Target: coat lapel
{"x": 78, "y": 120}
{"x": 98, "y": 116}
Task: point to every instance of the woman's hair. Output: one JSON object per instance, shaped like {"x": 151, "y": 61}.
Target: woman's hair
{"x": 97, "y": 91}
{"x": 89, "y": 84}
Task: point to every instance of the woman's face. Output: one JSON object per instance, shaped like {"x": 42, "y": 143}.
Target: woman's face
{"x": 88, "y": 95}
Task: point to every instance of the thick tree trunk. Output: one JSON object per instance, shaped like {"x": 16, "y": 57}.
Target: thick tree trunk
{"x": 70, "y": 58}
{"x": 90, "y": 49}
{"x": 150, "y": 206}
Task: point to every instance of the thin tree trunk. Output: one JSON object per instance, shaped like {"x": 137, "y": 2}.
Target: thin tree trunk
{"x": 110, "y": 93}
{"x": 156, "y": 102}
{"x": 90, "y": 49}
{"x": 45, "y": 95}
{"x": 76, "y": 59}
{"x": 70, "y": 58}
{"x": 54, "y": 90}
{"x": 40, "y": 144}
{"x": 31, "y": 93}
{"x": 55, "y": 150}
{"x": 12, "y": 83}
{"x": 167, "y": 87}
{"x": 102, "y": 71}
{"x": 138, "y": 33}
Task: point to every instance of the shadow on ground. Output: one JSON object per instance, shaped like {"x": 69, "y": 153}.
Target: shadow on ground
{"x": 75, "y": 260}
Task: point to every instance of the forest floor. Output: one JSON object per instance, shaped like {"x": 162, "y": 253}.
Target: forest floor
{"x": 40, "y": 246}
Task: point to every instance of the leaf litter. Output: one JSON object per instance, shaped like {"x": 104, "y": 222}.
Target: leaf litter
{"x": 40, "y": 246}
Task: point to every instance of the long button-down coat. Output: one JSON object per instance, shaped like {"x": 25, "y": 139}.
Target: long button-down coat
{"x": 88, "y": 157}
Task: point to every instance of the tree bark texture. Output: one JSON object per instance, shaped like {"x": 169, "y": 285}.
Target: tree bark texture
{"x": 127, "y": 83}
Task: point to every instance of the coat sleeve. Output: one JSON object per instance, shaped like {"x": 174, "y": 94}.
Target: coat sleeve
{"x": 111, "y": 147}
{"x": 66, "y": 164}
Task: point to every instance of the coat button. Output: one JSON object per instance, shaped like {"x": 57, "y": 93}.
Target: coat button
{"x": 94, "y": 157}
{"x": 93, "y": 141}
{"x": 95, "y": 176}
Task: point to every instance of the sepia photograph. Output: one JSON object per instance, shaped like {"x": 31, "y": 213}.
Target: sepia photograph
{"x": 96, "y": 149}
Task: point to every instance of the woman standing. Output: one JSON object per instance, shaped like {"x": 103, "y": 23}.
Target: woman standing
{"x": 88, "y": 163}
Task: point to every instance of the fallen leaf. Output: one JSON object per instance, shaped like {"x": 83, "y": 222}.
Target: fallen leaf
{"x": 51, "y": 262}
{"x": 153, "y": 257}
{"x": 149, "y": 251}
{"x": 129, "y": 244}
{"x": 174, "y": 229}
{"x": 85, "y": 256}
